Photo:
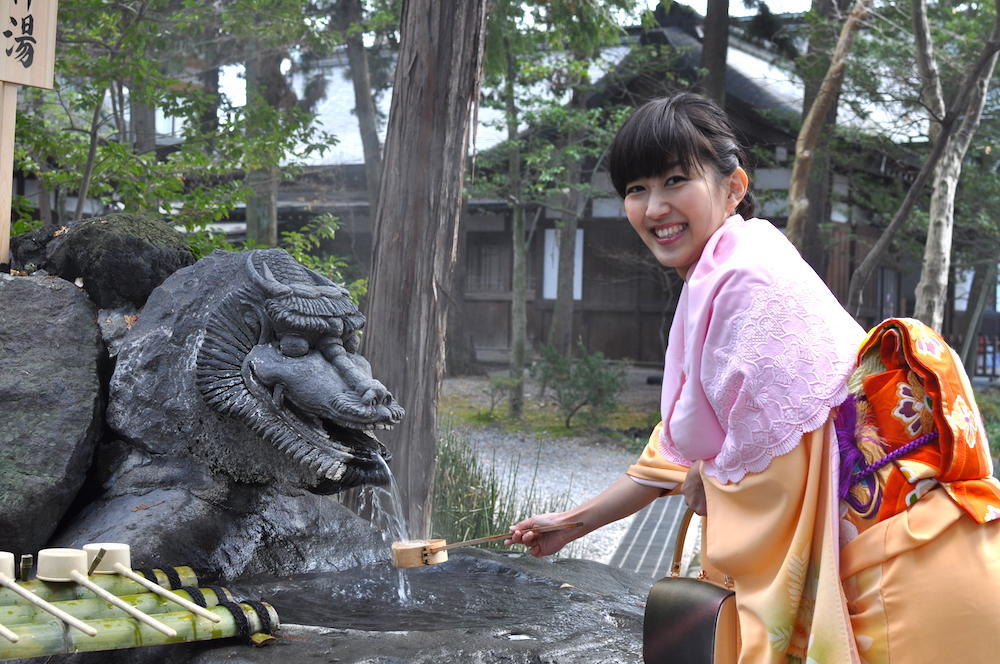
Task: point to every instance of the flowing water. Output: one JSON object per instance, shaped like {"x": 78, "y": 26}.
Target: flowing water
{"x": 387, "y": 516}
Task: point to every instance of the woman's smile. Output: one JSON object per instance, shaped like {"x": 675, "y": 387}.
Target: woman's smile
{"x": 668, "y": 233}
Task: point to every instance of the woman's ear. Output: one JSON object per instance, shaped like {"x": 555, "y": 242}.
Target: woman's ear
{"x": 738, "y": 183}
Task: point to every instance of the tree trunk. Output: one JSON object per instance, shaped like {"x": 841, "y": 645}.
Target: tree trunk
{"x": 143, "y": 126}
{"x": 88, "y": 167}
{"x": 519, "y": 267}
{"x": 208, "y": 119}
{"x": 983, "y": 283}
{"x": 364, "y": 103}
{"x": 975, "y": 78}
{"x": 932, "y": 289}
{"x": 415, "y": 234}
{"x": 813, "y": 124}
{"x": 266, "y": 88}
{"x": 713, "y": 50}
{"x": 818, "y": 188}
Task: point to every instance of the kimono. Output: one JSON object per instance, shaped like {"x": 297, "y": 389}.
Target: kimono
{"x": 847, "y": 477}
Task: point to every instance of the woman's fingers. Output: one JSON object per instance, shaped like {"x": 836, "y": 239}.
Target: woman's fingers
{"x": 694, "y": 490}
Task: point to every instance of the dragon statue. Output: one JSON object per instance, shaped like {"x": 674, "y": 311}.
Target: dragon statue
{"x": 281, "y": 355}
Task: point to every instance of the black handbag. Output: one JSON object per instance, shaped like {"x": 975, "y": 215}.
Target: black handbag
{"x": 690, "y": 620}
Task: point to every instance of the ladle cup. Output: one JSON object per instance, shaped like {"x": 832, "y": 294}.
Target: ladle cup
{"x": 115, "y": 558}
{"x": 417, "y": 553}
{"x": 7, "y": 581}
{"x": 65, "y": 565}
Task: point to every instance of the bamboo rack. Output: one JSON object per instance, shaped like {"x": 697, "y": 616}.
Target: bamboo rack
{"x": 39, "y": 640}
{"x": 113, "y": 583}
{"x": 97, "y": 609}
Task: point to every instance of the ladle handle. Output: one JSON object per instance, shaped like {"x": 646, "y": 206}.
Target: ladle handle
{"x": 72, "y": 621}
{"x": 164, "y": 593}
{"x": 127, "y": 608}
{"x": 490, "y": 538}
{"x": 9, "y": 635}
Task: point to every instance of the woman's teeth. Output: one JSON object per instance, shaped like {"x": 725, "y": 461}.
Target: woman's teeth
{"x": 669, "y": 231}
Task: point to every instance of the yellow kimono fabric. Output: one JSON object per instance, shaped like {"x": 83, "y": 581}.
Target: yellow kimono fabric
{"x": 920, "y": 587}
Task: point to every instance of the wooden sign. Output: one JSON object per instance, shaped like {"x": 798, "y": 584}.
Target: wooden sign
{"x": 28, "y": 57}
{"x": 28, "y": 39}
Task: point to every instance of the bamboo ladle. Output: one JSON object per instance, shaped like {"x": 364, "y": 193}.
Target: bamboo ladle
{"x": 63, "y": 565}
{"x": 115, "y": 558}
{"x": 7, "y": 581}
{"x": 417, "y": 553}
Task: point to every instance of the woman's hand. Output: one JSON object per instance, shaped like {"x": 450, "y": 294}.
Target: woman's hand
{"x": 543, "y": 544}
{"x": 694, "y": 490}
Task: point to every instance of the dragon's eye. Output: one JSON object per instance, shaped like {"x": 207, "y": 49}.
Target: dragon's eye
{"x": 293, "y": 345}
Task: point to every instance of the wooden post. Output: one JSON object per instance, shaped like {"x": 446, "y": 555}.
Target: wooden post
{"x": 8, "y": 108}
{"x": 27, "y": 57}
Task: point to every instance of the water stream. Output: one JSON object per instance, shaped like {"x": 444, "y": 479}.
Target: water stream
{"x": 387, "y": 516}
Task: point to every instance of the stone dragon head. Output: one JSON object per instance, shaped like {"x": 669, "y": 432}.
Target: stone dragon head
{"x": 281, "y": 355}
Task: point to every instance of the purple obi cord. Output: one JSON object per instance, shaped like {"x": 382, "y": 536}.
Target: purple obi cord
{"x": 853, "y": 469}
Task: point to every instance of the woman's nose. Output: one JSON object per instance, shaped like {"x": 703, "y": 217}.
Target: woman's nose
{"x": 658, "y": 206}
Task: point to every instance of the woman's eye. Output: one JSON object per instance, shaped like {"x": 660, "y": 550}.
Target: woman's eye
{"x": 635, "y": 188}
{"x": 674, "y": 179}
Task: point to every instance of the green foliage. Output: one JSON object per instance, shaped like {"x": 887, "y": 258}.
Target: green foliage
{"x": 498, "y": 390}
{"x": 988, "y": 400}
{"x": 471, "y": 500}
{"x": 305, "y": 246}
{"x": 113, "y": 56}
{"x": 586, "y": 380}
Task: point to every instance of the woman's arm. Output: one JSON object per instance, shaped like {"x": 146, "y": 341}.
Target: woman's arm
{"x": 622, "y": 498}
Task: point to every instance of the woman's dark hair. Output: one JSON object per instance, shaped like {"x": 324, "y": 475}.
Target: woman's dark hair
{"x": 686, "y": 130}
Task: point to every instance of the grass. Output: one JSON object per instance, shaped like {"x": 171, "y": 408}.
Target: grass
{"x": 628, "y": 425}
{"x": 472, "y": 500}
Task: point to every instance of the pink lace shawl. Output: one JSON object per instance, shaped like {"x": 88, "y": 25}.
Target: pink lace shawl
{"x": 758, "y": 354}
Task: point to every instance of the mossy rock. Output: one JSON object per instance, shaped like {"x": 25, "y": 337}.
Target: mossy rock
{"x": 121, "y": 258}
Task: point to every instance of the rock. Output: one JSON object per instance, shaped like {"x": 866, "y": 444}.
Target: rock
{"x": 120, "y": 257}
{"x": 50, "y": 350}
{"x": 480, "y": 607}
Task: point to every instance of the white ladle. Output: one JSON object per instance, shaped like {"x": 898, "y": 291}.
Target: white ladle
{"x": 116, "y": 559}
{"x": 71, "y": 565}
{"x": 7, "y": 581}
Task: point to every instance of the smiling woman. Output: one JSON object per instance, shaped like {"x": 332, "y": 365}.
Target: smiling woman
{"x": 826, "y": 517}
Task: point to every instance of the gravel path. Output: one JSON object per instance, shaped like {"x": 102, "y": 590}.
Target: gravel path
{"x": 560, "y": 473}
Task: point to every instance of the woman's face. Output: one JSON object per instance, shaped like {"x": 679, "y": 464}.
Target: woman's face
{"x": 676, "y": 213}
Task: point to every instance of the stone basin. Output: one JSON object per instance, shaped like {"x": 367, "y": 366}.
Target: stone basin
{"x": 479, "y": 607}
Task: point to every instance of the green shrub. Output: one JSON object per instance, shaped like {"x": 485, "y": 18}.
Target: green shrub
{"x": 498, "y": 390}
{"x": 584, "y": 381}
{"x": 471, "y": 500}
{"x": 988, "y": 400}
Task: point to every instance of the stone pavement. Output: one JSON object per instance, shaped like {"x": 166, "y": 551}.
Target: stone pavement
{"x": 648, "y": 546}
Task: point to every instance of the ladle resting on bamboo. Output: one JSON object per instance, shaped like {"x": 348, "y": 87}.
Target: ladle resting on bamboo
{"x": 417, "y": 553}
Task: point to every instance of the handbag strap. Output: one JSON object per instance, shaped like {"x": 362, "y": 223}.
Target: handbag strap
{"x": 675, "y": 563}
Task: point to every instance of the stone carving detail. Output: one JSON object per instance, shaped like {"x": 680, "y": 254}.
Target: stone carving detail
{"x": 280, "y": 355}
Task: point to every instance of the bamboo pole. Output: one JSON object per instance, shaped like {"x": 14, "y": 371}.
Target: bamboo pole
{"x": 113, "y": 583}
{"x": 121, "y": 633}
{"x": 95, "y": 608}
{"x": 9, "y": 635}
{"x": 124, "y": 606}
{"x": 26, "y": 594}
{"x": 163, "y": 592}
